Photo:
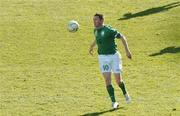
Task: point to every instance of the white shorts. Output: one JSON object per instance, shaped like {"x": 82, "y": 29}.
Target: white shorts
{"x": 110, "y": 63}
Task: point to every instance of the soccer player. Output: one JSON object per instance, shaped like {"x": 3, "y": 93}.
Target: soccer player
{"x": 109, "y": 57}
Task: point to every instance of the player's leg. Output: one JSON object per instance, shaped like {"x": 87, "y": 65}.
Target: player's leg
{"x": 117, "y": 69}
{"x": 120, "y": 82}
{"x": 122, "y": 85}
{"x": 106, "y": 72}
{"x": 110, "y": 89}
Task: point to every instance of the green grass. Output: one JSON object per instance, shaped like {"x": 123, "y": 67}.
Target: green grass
{"x": 47, "y": 71}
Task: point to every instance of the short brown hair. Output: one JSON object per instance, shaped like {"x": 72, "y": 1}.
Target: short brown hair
{"x": 100, "y": 16}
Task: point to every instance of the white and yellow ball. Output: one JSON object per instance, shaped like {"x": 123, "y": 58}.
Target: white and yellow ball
{"x": 73, "y": 26}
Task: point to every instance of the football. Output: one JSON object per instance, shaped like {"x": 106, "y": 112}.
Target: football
{"x": 73, "y": 26}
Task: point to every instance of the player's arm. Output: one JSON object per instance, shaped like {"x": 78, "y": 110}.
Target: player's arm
{"x": 124, "y": 41}
{"x": 93, "y": 44}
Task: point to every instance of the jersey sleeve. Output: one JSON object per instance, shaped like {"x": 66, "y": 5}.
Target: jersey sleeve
{"x": 115, "y": 33}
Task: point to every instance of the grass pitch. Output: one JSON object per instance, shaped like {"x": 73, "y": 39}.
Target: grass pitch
{"x": 47, "y": 71}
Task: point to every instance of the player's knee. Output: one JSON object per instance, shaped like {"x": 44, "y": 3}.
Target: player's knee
{"x": 108, "y": 82}
{"x": 119, "y": 81}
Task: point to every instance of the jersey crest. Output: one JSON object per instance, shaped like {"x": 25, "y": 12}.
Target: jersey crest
{"x": 102, "y": 33}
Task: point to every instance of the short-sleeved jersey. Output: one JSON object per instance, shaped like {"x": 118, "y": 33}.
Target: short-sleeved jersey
{"x": 105, "y": 39}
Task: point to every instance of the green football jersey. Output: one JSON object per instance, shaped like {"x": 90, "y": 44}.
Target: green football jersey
{"x": 105, "y": 39}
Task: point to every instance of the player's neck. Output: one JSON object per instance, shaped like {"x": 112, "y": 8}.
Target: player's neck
{"x": 99, "y": 27}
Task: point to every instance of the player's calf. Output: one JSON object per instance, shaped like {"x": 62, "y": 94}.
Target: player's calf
{"x": 125, "y": 93}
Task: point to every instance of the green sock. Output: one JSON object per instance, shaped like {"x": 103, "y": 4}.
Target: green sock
{"x": 110, "y": 90}
{"x": 123, "y": 87}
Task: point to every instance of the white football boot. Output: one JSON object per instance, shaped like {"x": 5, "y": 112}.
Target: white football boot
{"x": 115, "y": 105}
{"x": 127, "y": 97}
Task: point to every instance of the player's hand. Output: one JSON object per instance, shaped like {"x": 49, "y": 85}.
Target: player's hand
{"x": 129, "y": 55}
{"x": 91, "y": 51}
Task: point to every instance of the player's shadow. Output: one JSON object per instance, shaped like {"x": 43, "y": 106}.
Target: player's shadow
{"x": 101, "y": 113}
{"x": 150, "y": 11}
{"x": 171, "y": 49}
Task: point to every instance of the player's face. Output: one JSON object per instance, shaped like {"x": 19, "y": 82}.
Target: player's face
{"x": 97, "y": 21}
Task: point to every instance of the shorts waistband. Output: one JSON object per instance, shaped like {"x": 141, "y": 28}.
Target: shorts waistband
{"x": 109, "y": 54}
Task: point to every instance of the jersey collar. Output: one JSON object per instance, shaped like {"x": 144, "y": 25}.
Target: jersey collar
{"x": 98, "y": 28}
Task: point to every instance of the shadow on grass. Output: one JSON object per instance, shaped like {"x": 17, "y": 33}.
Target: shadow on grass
{"x": 101, "y": 113}
{"x": 171, "y": 49}
{"x": 150, "y": 11}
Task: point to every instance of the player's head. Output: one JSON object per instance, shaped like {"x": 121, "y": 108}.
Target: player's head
{"x": 98, "y": 20}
